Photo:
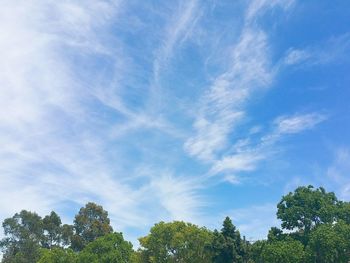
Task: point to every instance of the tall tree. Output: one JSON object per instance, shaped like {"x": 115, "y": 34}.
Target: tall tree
{"x": 52, "y": 226}
{"x": 67, "y": 232}
{"x": 176, "y": 242}
{"x": 23, "y": 236}
{"x": 307, "y": 208}
{"x": 90, "y": 223}
{"x": 227, "y": 245}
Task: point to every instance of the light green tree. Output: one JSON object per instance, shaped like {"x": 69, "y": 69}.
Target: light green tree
{"x": 286, "y": 251}
{"x": 57, "y": 255}
{"x": 111, "y": 248}
{"x": 176, "y": 242}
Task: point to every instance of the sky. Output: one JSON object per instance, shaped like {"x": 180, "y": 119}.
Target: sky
{"x": 172, "y": 110}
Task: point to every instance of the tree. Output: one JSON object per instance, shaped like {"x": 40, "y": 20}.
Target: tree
{"x": 23, "y": 236}
{"x": 176, "y": 242}
{"x": 255, "y": 254}
{"x": 343, "y": 212}
{"x": 111, "y": 248}
{"x": 227, "y": 245}
{"x": 57, "y": 255}
{"x": 90, "y": 223}
{"x": 67, "y": 232}
{"x": 52, "y": 230}
{"x": 286, "y": 251}
{"x": 330, "y": 243}
{"x": 307, "y": 208}
{"x": 275, "y": 234}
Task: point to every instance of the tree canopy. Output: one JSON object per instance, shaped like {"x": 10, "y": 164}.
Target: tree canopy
{"x": 176, "y": 242}
{"x": 315, "y": 228}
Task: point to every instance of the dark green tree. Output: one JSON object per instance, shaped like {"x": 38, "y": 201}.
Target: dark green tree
{"x": 343, "y": 211}
{"x": 90, "y": 223}
{"x": 227, "y": 245}
{"x": 275, "y": 234}
{"x": 52, "y": 226}
{"x": 255, "y": 253}
{"x": 67, "y": 232}
{"x": 23, "y": 236}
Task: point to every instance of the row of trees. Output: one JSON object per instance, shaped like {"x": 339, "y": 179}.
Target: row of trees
{"x": 315, "y": 228}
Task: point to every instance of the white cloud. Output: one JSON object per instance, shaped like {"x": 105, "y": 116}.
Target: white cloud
{"x": 241, "y": 162}
{"x": 259, "y": 7}
{"x": 246, "y": 155}
{"x": 178, "y": 196}
{"x": 298, "y": 123}
{"x": 177, "y": 32}
{"x": 222, "y": 107}
{"x": 295, "y": 56}
{"x": 332, "y": 50}
{"x": 54, "y": 142}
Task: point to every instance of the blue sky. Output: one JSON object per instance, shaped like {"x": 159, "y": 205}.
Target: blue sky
{"x": 172, "y": 110}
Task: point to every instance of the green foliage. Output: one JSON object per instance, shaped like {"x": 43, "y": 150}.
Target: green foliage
{"x": 330, "y": 243}
{"x": 318, "y": 232}
{"x": 287, "y": 251}
{"x": 176, "y": 242}
{"x": 275, "y": 234}
{"x": 90, "y": 223}
{"x": 227, "y": 245}
{"x": 52, "y": 230}
{"x": 57, "y": 255}
{"x": 24, "y": 233}
{"x": 111, "y": 248}
{"x": 307, "y": 208}
{"x": 256, "y": 250}
{"x": 66, "y": 235}
{"x": 343, "y": 211}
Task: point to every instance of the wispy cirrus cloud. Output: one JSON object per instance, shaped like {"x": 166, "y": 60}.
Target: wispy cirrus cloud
{"x": 332, "y": 50}
{"x": 223, "y": 107}
{"x": 246, "y": 155}
{"x": 53, "y": 138}
{"x": 258, "y": 7}
{"x": 177, "y": 31}
{"x": 298, "y": 123}
{"x": 67, "y": 109}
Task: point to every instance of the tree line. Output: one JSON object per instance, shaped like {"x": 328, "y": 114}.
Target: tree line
{"x": 315, "y": 228}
